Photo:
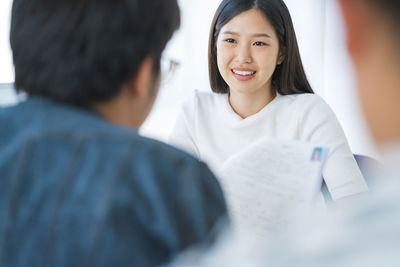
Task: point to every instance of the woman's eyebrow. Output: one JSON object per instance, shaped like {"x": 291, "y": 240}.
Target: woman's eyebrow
{"x": 230, "y": 33}
{"x": 262, "y": 35}
{"x": 253, "y": 35}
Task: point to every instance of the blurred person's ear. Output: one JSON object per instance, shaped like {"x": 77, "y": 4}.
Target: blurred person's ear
{"x": 135, "y": 100}
{"x": 357, "y": 21}
{"x": 145, "y": 82}
{"x": 143, "y": 88}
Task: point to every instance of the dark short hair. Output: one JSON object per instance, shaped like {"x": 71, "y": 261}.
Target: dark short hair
{"x": 82, "y": 51}
{"x": 289, "y": 76}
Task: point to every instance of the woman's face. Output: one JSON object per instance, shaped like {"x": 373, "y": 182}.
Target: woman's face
{"x": 248, "y": 52}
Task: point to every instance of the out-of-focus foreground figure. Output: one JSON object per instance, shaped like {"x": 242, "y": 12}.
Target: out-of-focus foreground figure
{"x": 78, "y": 185}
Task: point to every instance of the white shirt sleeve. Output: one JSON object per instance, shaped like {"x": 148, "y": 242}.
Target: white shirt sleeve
{"x": 183, "y": 133}
{"x": 320, "y": 125}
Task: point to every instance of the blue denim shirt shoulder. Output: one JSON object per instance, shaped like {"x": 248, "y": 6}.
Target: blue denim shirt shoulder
{"x": 77, "y": 190}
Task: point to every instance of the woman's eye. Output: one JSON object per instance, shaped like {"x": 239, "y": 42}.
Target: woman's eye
{"x": 259, "y": 44}
{"x": 230, "y": 40}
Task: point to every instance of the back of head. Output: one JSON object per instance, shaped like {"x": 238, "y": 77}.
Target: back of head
{"x": 82, "y": 51}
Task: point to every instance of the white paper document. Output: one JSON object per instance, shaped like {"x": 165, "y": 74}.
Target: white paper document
{"x": 272, "y": 183}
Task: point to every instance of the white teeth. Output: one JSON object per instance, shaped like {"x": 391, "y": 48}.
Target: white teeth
{"x": 244, "y": 73}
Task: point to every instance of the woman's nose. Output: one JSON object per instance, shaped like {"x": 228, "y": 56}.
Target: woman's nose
{"x": 243, "y": 55}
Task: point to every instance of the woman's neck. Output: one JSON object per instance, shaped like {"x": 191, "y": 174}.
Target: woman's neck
{"x": 246, "y": 105}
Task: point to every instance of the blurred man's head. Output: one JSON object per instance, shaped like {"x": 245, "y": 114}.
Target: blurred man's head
{"x": 93, "y": 54}
{"x": 373, "y": 38}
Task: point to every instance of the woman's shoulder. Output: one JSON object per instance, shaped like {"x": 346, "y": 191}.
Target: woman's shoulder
{"x": 207, "y": 96}
{"x": 303, "y": 98}
{"x": 305, "y": 101}
{"x": 205, "y": 99}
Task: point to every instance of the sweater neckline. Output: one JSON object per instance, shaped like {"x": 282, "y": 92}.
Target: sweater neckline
{"x": 233, "y": 118}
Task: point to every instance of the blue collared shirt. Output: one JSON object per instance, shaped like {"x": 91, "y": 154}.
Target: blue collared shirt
{"x": 76, "y": 190}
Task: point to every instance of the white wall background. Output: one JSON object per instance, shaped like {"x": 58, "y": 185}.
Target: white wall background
{"x": 321, "y": 40}
{"x": 6, "y": 71}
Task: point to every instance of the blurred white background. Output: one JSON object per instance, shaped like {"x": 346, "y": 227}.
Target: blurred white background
{"x": 322, "y": 45}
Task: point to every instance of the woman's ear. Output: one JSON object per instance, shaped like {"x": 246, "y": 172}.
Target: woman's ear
{"x": 281, "y": 57}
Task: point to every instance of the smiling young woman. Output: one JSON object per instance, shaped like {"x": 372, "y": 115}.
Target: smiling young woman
{"x": 248, "y": 53}
{"x": 260, "y": 90}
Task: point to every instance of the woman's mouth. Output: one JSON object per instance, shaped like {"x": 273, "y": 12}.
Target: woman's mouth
{"x": 243, "y": 75}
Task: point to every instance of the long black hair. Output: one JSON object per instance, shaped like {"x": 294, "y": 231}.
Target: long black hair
{"x": 289, "y": 76}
